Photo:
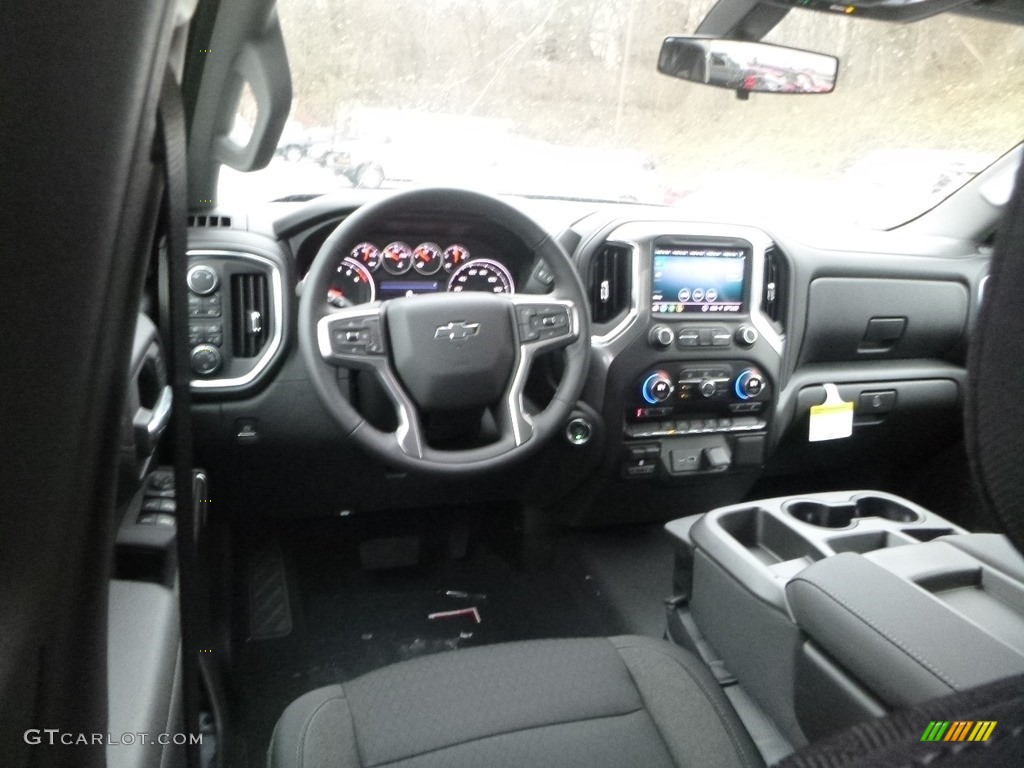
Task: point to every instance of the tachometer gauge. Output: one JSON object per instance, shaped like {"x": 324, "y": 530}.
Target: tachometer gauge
{"x": 481, "y": 275}
{"x": 427, "y": 258}
{"x": 368, "y": 255}
{"x": 397, "y": 258}
{"x": 455, "y": 256}
{"x": 352, "y": 284}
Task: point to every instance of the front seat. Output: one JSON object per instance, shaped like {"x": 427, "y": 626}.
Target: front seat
{"x": 632, "y": 701}
{"x": 592, "y": 703}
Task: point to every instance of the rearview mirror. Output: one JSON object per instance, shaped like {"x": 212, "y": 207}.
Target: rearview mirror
{"x": 746, "y": 66}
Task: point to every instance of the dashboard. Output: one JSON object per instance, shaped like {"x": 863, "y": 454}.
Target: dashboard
{"x": 711, "y": 342}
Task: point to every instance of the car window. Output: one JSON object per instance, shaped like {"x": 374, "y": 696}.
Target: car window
{"x": 562, "y": 100}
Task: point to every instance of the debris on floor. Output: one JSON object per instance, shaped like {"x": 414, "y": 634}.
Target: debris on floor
{"x": 471, "y": 611}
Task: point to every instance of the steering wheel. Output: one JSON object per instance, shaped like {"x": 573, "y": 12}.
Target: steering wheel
{"x": 438, "y": 352}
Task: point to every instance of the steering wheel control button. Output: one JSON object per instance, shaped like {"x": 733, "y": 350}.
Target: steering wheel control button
{"x": 357, "y": 337}
{"x": 202, "y": 280}
{"x": 746, "y": 335}
{"x": 579, "y": 431}
{"x": 205, "y": 359}
{"x": 657, "y": 388}
{"x": 542, "y": 323}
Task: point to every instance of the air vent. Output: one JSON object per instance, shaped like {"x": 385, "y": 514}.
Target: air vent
{"x": 209, "y": 221}
{"x": 610, "y": 283}
{"x": 773, "y": 296}
{"x": 250, "y": 321}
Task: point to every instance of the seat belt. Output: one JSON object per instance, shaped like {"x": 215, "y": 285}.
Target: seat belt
{"x": 171, "y": 143}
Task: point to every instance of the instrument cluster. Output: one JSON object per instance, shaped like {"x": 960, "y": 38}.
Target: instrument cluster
{"x": 371, "y": 272}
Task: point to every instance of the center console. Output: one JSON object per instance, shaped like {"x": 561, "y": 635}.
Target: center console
{"x": 833, "y": 608}
{"x": 695, "y": 380}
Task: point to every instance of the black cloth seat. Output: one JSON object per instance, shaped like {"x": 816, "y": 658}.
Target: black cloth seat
{"x": 618, "y": 702}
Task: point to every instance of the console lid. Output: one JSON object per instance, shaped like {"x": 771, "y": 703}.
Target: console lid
{"x": 906, "y": 641}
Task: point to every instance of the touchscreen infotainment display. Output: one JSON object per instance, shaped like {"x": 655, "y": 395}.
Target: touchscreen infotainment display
{"x": 698, "y": 279}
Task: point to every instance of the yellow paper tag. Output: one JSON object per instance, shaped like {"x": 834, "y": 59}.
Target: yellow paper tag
{"x": 833, "y": 419}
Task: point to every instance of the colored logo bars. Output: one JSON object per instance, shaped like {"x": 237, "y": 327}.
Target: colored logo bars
{"x": 958, "y": 730}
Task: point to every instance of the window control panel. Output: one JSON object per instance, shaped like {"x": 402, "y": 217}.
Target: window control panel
{"x": 158, "y": 500}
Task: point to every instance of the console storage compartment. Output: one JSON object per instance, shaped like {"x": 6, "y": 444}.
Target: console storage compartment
{"x": 833, "y": 608}
{"x": 894, "y": 637}
{"x": 841, "y": 515}
{"x": 766, "y": 538}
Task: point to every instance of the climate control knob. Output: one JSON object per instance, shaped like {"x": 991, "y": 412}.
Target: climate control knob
{"x": 708, "y": 388}
{"x": 661, "y": 337}
{"x": 657, "y": 388}
{"x": 750, "y": 383}
{"x": 205, "y": 359}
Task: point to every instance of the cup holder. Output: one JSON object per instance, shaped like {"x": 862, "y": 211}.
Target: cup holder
{"x": 842, "y": 514}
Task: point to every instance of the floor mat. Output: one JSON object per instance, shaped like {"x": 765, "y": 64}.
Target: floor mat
{"x": 632, "y": 568}
{"x": 348, "y": 621}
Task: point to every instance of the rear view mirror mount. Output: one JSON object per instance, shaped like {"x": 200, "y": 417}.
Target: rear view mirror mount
{"x": 748, "y": 67}
{"x": 902, "y": 11}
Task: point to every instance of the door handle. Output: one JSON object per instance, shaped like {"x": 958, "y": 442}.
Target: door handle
{"x": 150, "y": 423}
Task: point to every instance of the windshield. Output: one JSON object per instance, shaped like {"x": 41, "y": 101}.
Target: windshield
{"x": 562, "y": 99}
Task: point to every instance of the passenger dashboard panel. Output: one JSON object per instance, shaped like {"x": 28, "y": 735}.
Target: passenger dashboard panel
{"x": 852, "y": 318}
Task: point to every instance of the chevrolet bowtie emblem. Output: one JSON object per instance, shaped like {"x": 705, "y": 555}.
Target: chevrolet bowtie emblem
{"x": 458, "y": 331}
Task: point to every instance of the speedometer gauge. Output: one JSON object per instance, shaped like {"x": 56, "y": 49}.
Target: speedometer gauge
{"x": 352, "y": 284}
{"x": 397, "y": 258}
{"x": 481, "y": 275}
{"x": 427, "y": 258}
